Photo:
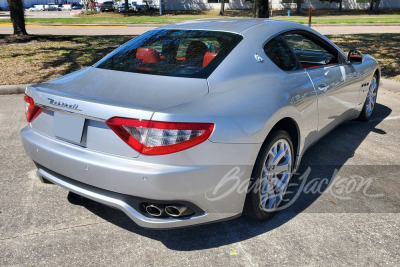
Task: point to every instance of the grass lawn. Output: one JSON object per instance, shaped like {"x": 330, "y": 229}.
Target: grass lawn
{"x": 319, "y": 17}
{"x": 383, "y": 46}
{"x": 52, "y": 56}
{"x": 49, "y": 57}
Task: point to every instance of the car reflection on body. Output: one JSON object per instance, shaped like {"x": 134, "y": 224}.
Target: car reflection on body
{"x": 155, "y": 127}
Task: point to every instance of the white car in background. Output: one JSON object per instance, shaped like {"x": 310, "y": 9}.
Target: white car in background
{"x": 66, "y": 7}
{"x": 121, "y": 7}
{"x": 37, "y": 8}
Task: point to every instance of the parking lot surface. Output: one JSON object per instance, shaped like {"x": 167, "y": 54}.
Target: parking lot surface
{"x": 357, "y": 224}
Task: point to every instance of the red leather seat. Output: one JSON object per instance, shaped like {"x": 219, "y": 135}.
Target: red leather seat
{"x": 208, "y": 57}
{"x": 149, "y": 56}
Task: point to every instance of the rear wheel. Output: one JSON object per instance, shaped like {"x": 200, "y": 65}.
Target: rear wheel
{"x": 370, "y": 102}
{"x": 270, "y": 177}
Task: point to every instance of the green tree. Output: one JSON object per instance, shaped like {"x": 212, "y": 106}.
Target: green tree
{"x": 261, "y": 8}
{"x": 17, "y": 16}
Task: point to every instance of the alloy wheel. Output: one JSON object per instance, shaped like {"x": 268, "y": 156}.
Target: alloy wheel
{"x": 275, "y": 176}
{"x": 371, "y": 97}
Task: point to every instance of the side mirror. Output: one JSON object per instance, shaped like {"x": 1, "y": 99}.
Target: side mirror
{"x": 354, "y": 56}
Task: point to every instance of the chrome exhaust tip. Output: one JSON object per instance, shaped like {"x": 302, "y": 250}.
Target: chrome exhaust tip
{"x": 177, "y": 210}
{"x": 154, "y": 210}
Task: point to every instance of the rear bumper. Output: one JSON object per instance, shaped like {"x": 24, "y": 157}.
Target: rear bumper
{"x": 118, "y": 181}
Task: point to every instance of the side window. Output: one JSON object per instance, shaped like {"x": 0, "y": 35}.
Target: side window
{"x": 281, "y": 54}
{"x": 309, "y": 52}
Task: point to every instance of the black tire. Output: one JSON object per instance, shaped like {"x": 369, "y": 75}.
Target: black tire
{"x": 252, "y": 205}
{"x": 365, "y": 115}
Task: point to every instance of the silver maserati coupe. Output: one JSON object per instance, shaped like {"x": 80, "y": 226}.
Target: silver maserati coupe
{"x": 198, "y": 121}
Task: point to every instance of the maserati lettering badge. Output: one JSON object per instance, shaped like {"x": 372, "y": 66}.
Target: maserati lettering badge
{"x": 63, "y": 104}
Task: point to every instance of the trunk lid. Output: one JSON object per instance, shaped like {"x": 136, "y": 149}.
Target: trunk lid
{"x": 96, "y": 95}
{"x": 126, "y": 89}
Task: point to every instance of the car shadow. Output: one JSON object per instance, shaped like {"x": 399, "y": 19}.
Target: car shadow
{"x": 322, "y": 160}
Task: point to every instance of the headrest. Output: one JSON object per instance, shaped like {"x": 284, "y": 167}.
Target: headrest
{"x": 148, "y": 55}
{"x": 195, "y": 50}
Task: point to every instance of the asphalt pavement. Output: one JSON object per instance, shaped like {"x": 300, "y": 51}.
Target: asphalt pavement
{"x": 354, "y": 221}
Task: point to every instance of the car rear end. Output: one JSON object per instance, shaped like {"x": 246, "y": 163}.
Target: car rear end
{"x": 92, "y": 131}
{"x": 106, "y": 6}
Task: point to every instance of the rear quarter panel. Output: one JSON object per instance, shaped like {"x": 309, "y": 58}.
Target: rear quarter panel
{"x": 247, "y": 98}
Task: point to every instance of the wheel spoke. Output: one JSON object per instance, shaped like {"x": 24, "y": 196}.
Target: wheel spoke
{"x": 373, "y": 84}
{"x": 285, "y": 179}
{"x": 271, "y": 201}
{"x": 281, "y": 153}
{"x": 277, "y": 183}
{"x": 269, "y": 161}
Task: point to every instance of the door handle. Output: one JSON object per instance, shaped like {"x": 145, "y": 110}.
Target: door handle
{"x": 323, "y": 87}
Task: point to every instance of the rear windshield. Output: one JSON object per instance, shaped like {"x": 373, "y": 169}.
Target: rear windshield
{"x": 176, "y": 53}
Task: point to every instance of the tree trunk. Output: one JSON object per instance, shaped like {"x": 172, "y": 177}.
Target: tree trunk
{"x": 85, "y": 4}
{"x": 17, "y": 16}
{"x": 376, "y": 8}
{"x": 340, "y": 5}
{"x": 126, "y": 6}
{"x": 148, "y": 5}
{"x": 222, "y": 11}
{"x": 261, "y": 8}
{"x": 298, "y": 7}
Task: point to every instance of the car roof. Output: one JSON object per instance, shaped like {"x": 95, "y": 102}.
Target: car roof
{"x": 235, "y": 25}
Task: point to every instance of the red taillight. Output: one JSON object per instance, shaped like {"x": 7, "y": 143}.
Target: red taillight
{"x": 31, "y": 110}
{"x": 160, "y": 138}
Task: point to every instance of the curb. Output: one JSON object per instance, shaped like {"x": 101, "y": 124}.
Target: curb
{"x": 146, "y": 25}
{"x": 390, "y": 85}
{"x": 13, "y": 89}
